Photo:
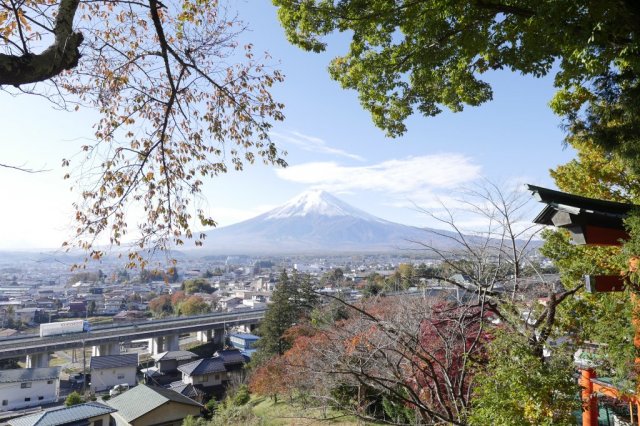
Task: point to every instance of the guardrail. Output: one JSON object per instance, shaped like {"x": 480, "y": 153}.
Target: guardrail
{"x": 124, "y": 333}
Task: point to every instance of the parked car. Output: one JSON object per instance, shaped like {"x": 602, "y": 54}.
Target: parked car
{"x": 118, "y": 389}
{"x": 78, "y": 379}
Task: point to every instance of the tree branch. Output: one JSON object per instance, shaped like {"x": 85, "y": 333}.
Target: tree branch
{"x": 62, "y": 55}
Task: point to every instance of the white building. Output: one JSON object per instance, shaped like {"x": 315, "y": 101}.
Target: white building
{"x": 28, "y": 387}
{"x": 110, "y": 370}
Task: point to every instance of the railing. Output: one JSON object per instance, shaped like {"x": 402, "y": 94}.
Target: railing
{"x": 141, "y": 329}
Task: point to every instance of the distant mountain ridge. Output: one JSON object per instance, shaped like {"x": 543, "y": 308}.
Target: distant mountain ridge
{"x": 316, "y": 221}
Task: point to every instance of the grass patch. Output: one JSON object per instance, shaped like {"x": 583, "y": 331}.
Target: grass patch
{"x": 56, "y": 362}
{"x": 287, "y": 413}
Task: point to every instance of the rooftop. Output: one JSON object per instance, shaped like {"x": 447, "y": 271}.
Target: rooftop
{"x": 114, "y": 361}
{"x": 142, "y": 399}
{"x": 177, "y": 355}
{"x": 203, "y": 366}
{"x": 64, "y": 415}
{"x": 29, "y": 374}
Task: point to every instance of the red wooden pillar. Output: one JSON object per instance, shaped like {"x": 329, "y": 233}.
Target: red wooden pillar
{"x": 589, "y": 399}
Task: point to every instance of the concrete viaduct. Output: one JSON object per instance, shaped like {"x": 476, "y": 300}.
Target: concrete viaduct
{"x": 106, "y": 340}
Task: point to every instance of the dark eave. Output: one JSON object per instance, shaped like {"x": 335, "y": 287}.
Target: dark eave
{"x": 590, "y": 221}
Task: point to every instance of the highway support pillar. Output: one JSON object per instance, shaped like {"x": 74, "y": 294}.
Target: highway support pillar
{"x": 106, "y": 349}
{"x": 38, "y": 360}
{"x": 589, "y": 398}
{"x": 218, "y": 337}
{"x": 204, "y": 336}
{"x": 157, "y": 345}
{"x": 172, "y": 342}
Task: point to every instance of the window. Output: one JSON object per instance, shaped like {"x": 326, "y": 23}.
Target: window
{"x": 25, "y": 385}
{"x": 217, "y": 377}
{"x": 120, "y": 376}
{"x": 27, "y": 399}
{"x": 97, "y": 422}
{"x": 5, "y": 402}
{"x": 49, "y": 382}
{"x": 40, "y": 398}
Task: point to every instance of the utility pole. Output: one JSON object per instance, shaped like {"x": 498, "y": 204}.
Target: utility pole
{"x": 84, "y": 369}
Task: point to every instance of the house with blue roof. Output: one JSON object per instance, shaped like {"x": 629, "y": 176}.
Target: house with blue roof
{"x": 244, "y": 341}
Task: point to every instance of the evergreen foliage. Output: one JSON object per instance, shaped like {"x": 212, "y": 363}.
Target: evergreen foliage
{"x": 517, "y": 388}
{"x": 74, "y": 398}
{"x": 292, "y": 299}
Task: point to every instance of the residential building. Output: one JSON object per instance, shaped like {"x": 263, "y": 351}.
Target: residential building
{"x": 110, "y": 370}
{"x": 187, "y": 390}
{"x": 168, "y": 362}
{"x": 28, "y": 387}
{"x": 89, "y": 414}
{"x": 243, "y": 341}
{"x": 206, "y": 373}
{"x": 149, "y": 405}
{"x": 233, "y": 361}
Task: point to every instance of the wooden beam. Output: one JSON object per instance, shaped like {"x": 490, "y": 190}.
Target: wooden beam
{"x": 599, "y": 236}
{"x": 604, "y": 283}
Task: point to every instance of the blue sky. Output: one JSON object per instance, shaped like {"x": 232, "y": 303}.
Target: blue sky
{"x": 331, "y": 143}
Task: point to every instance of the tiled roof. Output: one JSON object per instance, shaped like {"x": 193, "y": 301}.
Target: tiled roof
{"x": 186, "y": 389}
{"x": 203, "y": 366}
{"x": 231, "y": 356}
{"x": 114, "y": 361}
{"x": 177, "y": 355}
{"x": 64, "y": 415}
{"x": 29, "y": 374}
{"x": 142, "y": 399}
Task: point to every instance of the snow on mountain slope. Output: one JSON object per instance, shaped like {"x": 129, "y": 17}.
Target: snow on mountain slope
{"x": 319, "y": 203}
{"x": 314, "y": 221}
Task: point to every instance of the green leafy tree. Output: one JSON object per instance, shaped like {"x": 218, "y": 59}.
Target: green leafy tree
{"x": 517, "y": 388}
{"x": 74, "y": 398}
{"x": 197, "y": 285}
{"x": 241, "y": 396}
{"x": 604, "y": 318}
{"x": 193, "y": 305}
{"x": 406, "y": 56}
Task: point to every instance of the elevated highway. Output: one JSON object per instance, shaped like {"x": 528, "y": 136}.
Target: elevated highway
{"x": 27, "y": 345}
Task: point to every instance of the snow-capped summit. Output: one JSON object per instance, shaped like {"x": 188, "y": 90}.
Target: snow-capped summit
{"x": 316, "y": 202}
{"x": 314, "y": 221}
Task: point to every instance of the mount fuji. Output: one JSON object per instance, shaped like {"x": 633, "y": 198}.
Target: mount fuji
{"x": 315, "y": 222}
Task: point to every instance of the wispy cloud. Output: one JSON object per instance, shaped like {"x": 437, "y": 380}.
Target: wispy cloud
{"x": 417, "y": 176}
{"x": 312, "y": 144}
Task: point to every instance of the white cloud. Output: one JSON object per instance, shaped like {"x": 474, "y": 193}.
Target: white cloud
{"x": 312, "y": 144}
{"x": 410, "y": 178}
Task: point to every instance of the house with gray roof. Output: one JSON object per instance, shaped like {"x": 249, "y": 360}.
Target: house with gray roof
{"x": 207, "y": 372}
{"x": 168, "y": 362}
{"x": 89, "y": 414}
{"x": 233, "y": 361}
{"x": 28, "y": 387}
{"x": 149, "y": 406}
{"x": 187, "y": 390}
{"x": 110, "y": 370}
